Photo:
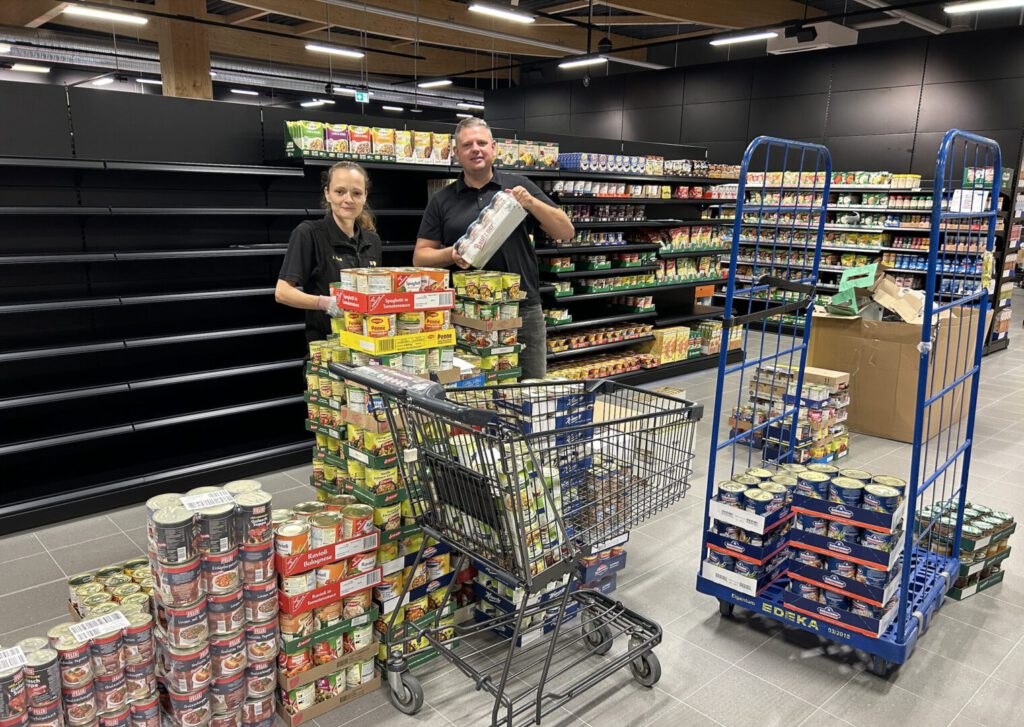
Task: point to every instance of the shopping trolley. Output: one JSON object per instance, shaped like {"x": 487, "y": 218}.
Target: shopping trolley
{"x": 525, "y": 481}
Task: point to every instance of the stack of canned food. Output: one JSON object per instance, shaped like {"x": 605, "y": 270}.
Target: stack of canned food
{"x": 984, "y": 538}
{"x": 598, "y": 336}
{"x": 216, "y": 605}
{"x": 603, "y": 366}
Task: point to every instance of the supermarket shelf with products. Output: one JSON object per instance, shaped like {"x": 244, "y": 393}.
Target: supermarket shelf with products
{"x": 598, "y": 249}
{"x": 599, "y": 348}
{"x": 567, "y": 199}
{"x": 573, "y": 325}
{"x": 678, "y": 368}
{"x": 615, "y": 270}
{"x": 579, "y": 297}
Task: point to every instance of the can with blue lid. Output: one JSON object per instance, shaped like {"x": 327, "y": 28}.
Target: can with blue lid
{"x": 813, "y": 484}
{"x": 843, "y": 532}
{"x": 881, "y": 498}
{"x": 848, "y": 491}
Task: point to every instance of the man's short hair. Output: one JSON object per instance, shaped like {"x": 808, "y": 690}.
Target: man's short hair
{"x": 470, "y": 123}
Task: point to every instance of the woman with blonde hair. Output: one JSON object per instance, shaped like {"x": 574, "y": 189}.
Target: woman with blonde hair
{"x": 318, "y": 250}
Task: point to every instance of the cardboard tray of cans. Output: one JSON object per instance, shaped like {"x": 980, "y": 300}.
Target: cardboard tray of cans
{"x": 491, "y": 350}
{"x": 322, "y": 708}
{"x": 398, "y": 343}
{"x": 293, "y": 646}
{"x": 865, "y": 625}
{"x": 414, "y": 594}
{"x": 498, "y": 324}
{"x": 757, "y": 554}
{"x": 287, "y": 565}
{"x": 839, "y": 512}
{"x": 822, "y": 545}
{"x": 386, "y": 303}
{"x": 407, "y": 560}
{"x": 846, "y": 586}
{"x": 602, "y": 568}
{"x": 511, "y": 605}
{"x": 960, "y": 594}
{"x": 401, "y": 629}
{"x": 760, "y": 524}
{"x": 977, "y": 544}
{"x": 373, "y": 461}
{"x": 325, "y": 670}
{"x": 507, "y": 631}
{"x": 311, "y": 397}
{"x": 739, "y": 583}
{"x": 329, "y": 593}
{"x": 365, "y": 496}
{"x": 979, "y": 566}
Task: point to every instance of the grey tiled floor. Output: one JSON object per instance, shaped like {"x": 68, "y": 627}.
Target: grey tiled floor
{"x": 968, "y": 668}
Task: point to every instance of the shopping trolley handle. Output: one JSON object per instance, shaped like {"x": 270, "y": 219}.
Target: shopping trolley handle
{"x": 428, "y": 395}
{"x": 807, "y": 291}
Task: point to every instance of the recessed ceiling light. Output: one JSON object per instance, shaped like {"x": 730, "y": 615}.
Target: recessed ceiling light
{"x": 245, "y": 92}
{"x": 435, "y": 84}
{"x": 343, "y": 91}
{"x": 393, "y": 108}
{"x": 149, "y": 81}
{"x": 213, "y": 74}
{"x": 105, "y": 81}
{"x": 980, "y": 5}
{"x": 334, "y": 50}
{"x": 473, "y": 106}
{"x": 501, "y": 12}
{"x": 86, "y": 11}
{"x": 749, "y": 37}
{"x": 465, "y": 116}
{"x": 580, "y": 62}
{"x": 30, "y": 68}
{"x": 416, "y": 111}
{"x": 5, "y": 48}
{"x": 311, "y": 104}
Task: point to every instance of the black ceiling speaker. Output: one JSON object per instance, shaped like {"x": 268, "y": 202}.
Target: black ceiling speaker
{"x": 604, "y": 45}
{"x": 802, "y": 33}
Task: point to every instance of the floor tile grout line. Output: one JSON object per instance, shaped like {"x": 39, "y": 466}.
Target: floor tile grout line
{"x": 47, "y": 551}
{"x": 74, "y": 545}
{"x": 62, "y": 579}
{"x": 143, "y": 550}
{"x": 983, "y": 630}
{"x": 988, "y": 678}
{"x": 23, "y": 557}
{"x": 770, "y": 683}
{"x": 32, "y": 626}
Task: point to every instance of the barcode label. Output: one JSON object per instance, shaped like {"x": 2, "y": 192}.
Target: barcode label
{"x": 12, "y": 658}
{"x": 209, "y": 499}
{"x": 351, "y": 547}
{"x": 90, "y": 629}
{"x": 223, "y": 545}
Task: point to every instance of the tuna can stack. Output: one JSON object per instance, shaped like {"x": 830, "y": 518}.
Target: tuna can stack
{"x": 212, "y": 558}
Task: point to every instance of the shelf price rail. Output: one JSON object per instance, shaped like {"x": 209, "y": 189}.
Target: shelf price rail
{"x": 927, "y": 526}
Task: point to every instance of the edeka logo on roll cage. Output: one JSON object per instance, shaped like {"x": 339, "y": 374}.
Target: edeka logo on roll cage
{"x": 786, "y": 614}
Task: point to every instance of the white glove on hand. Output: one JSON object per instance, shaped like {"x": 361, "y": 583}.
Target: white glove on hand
{"x": 329, "y": 305}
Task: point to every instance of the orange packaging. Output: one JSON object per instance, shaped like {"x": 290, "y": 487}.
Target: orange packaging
{"x": 379, "y": 326}
{"x": 360, "y": 140}
{"x": 418, "y": 280}
{"x": 383, "y": 141}
{"x": 435, "y": 320}
{"x": 354, "y": 322}
{"x": 421, "y": 145}
{"x": 441, "y": 148}
{"x": 331, "y": 573}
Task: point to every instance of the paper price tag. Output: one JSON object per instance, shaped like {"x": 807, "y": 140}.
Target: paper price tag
{"x": 358, "y": 455}
{"x": 90, "y": 629}
{"x": 12, "y": 658}
{"x": 209, "y": 499}
{"x": 360, "y": 620}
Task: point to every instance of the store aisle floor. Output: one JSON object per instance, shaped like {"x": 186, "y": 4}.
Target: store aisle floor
{"x": 968, "y": 668}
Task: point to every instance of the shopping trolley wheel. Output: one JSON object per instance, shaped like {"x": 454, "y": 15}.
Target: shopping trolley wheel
{"x": 410, "y": 698}
{"x": 725, "y": 608}
{"x": 646, "y": 669}
{"x": 599, "y": 638}
{"x": 880, "y": 667}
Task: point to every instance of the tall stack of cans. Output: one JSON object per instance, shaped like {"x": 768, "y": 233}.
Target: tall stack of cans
{"x": 216, "y": 605}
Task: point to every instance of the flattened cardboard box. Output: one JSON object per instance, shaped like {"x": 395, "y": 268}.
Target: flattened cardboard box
{"x": 883, "y": 361}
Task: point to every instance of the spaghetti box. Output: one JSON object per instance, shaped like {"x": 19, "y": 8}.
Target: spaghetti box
{"x": 882, "y": 522}
{"x": 325, "y": 670}
{"x": 329, "y": 593}
{"x": 287, "y": 565}
{"x": 429, "y": 587}
{"x": 386, "y": 303}
{"x": 759, "y": 554}
{"x": 602, "y": 568}
{"x": 540, "y": 405}
{"x": 846, "y": 586}
{"x": 847, "y": 551}
{"x": 293, "y": 646}
{"x": 548, "y": 423}
{"x": 741, "y": 584}
{"x": 321, "y": 708}
{"x": 864, "y": 625}
{"x": 406, "y": 561}
{"x": 760, "y": 524}
{"x": 397, "y": 344}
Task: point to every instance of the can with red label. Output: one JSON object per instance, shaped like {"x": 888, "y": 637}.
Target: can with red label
{"x": 252, "y": 518}
{"x": 13, "y": 695}
{"x": 227, "y": 694}
{"x": 140, "y": 680}
{"x": 261, "y": 640}
{"x": 146, "y": 712}
{"x": 225, "y": 613}
{"x": 74, "y": 661}
{"x": 257, "y": 562}
{"x": 20, "y": 721}
{"x": 222, "y": 572}
{"x": 186, "y": 671}
{"x": 260, "y": 676}
{"x": 111, "y": 693}
{"x": 46, "y": 715}
{"x": 228, "y": 654}
{"x": 138, "y": 639}
{"x": 181, "y": 583}
{"x": 361, "y": 563}
{"x": 257, "y": 710}
{"x": 216, "y": 529}
{"x": 107, "y": 653}
{"x": 121, "y": 718}
{"x": 42, "y": 677}
{"x": 79, "y": 704}
{"x": 185, "y": 627}
{"x": 233, "y": 719}
{"x": 260, "y": 601}
{"x": 190, "y": 708}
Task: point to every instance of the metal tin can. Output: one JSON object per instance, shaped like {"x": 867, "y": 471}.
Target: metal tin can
{"x": 720, "y": 559}
{"x": 746, "y": 569}
{"x": 827, "y": 469}
{"x": 253, "y": 518}
{"x": 731, "y": 493}
{"x": 228, "y": 693}
{"x": 237, "y": 487}
{"x": 181, "y": 583}
{"x": 867, "y": 610}
{"x": 292, "y": 538}
{"x": 758, "y": 501}
{"x": 809, "y": 557}
{"x": 111, "y": 693}
{"x": 874, "y": 577}
{"x": 228, "y": 654}
{"x": 260, "y": 601}
{"x": 256, "y": 711}
{"x": 42, "y": 676}
{"x": 894, "y": 482}
{"x": 779, "y": 493}
{"x": 189, "y": 708}
{"x": 216, "y": 527}
{"x": 729, "y": 531}
{"x": 107, "y": 653}
{"x": 325, "y": 529}
{"x": 80, "y": 704}
{"x": 806, "y": 590}
{"x": 78, "y": 580}
{"x": 257, "y": 562}
{"x": 876, "y": 541}
{"x": 145, "y": 712}
{"x": 231, "y": 719}
{"x": 760, "y": 473}
{"x": 261, "y": 676}
{"x": 74, "y": 661}
{"x": 138, "y": 639}
{"x": 222, "y": 573}
{"x": 140, "y": 680}
{"x": 813, "y": 484}
{"x": 792, "y": 468}
{"x": 848, "y": 491}
{"x": 174, "y": 535}
{"x": 842, "y": 568}
{"x": 356, "y": 604}
{"x": 881, "y": 498}
{"x": 357, "y": 520}
{"x": 186, "y": 671}
{"x": 45, "y": 715}
{"x": 814, "y": 524}
{"x": 298, "y": 583}
{"x": 185, "y": 627}
{"x": 836, "y": 600}
{"x": 860, "y": 475}
{"x": 261, "y": 640}
{"x": 747, "y": 480}
{"x": 227, "y": 612}
{"x": 843, "y": 532}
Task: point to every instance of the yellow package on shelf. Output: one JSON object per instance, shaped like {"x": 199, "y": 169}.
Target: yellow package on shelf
{"x": 397, "y": 344}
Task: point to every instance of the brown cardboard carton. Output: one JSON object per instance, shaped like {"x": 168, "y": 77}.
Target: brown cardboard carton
{"x": 883, "y": 360}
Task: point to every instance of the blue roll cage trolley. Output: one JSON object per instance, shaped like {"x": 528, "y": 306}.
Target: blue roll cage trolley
{"x": 963, "y": 217}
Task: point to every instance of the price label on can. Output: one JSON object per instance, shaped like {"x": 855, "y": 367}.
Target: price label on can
{"x": 208, "y": 499}
{"x": 93, "y": 627}
{"x": 12, "y": 658}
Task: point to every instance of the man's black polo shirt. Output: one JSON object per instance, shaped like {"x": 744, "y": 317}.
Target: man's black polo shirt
{"x": 451, "y": 211}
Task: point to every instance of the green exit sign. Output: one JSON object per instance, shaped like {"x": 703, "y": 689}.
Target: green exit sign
{"x": 362, "y": 97}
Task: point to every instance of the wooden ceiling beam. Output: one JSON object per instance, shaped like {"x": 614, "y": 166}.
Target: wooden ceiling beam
{"x": 307, "y": 28}
{"x": 30, "y": 13}
{"x": 721, "y": 13}
{"x": 244, "y": 15}
{"x": 623, "y": 20}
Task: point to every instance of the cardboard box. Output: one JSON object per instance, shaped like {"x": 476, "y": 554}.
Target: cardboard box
{"x": 477, "y": 324}
{"x": 883, "y": 362}
{"x": 397, "y": 344}
{"x": 287, "y": 565}
{"x": 327, "y": 594}
{"x": 386, "y": 303}
{"x": 325, "y": 670}
{"x": 322, "y": 708}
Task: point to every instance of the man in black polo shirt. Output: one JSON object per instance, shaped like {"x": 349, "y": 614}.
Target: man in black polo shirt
{"x": 454, "y": 208}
